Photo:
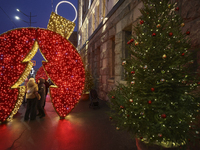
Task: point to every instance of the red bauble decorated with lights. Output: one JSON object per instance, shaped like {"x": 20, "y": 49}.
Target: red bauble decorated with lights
{"x": 183, "y": 54}
{"x": 170, "y": 33}
{"x": 153, "y": 34}
{"x": 149, "y": 102}
{"x": 121, "y": 107}
{"x": 64, "y": 67}
{"x": 163, "y": 116}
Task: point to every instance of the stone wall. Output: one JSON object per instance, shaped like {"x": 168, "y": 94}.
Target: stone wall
{"x": 123, "y": 20}
{"x": 190, "y": 12}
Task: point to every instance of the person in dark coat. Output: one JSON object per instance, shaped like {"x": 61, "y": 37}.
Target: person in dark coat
{"x": 31, "y": 92}
{"x": 25, "y": 84}
{"x": 41, "y": 91}
{"x": 46, "y": 91}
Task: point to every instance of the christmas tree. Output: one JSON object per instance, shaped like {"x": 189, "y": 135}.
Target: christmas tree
{"x": 160, "y": 103}
{"x": 89, "y": 82}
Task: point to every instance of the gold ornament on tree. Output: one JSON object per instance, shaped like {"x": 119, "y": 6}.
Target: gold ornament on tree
{"x": 164, "y": 56}
{"x": 182, "y": 24}
{"x": 158, "y": 26}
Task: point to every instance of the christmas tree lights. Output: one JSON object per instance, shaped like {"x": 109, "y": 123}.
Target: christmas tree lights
{"x": 62, "y": 63}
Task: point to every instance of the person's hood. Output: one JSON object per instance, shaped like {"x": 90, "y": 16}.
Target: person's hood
{"x": 31, "y": 83}
{"x": 42, "y": 80}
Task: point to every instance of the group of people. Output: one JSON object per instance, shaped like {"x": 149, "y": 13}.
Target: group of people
{"x": 34, "y": 104}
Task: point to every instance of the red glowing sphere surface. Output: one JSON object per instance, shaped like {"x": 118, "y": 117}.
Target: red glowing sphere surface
{"x": 64, "y": 66}
{"x": 41, "y": 74}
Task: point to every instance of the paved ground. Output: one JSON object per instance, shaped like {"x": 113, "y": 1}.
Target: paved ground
{"x": 83, "y": 129}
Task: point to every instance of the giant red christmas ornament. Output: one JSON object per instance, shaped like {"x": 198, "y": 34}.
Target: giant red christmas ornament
{"x": 63, "y": 65}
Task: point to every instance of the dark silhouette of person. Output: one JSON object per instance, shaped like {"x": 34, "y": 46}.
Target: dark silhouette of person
{"x": 31, "y": 92}
{"x": 25, "y": 84}
{"x": 41, "y": 91}
{"x": 46, "y": 91}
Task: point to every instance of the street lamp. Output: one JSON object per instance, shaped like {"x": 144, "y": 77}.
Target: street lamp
{"x": 16, "y": 17}
{"x": 29, "y": 23}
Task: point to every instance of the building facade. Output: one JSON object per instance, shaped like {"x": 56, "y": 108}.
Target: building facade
{"x": 105, "y": 26}
{"x": 73, "y": 38}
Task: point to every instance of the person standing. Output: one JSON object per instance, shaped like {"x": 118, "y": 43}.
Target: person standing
{"x": 41, "y": 91}
{"x": 25, "y": 84}
{"x": 46, "y": 91}
{"x": 31, "y": 92}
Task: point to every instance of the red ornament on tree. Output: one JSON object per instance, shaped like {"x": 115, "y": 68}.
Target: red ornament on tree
{"x": 163, "y": 116}
{"x": 149, "y": 102}
{"x": 121, "y": 107}
{"x": 152, "y": 89}
{"x": 141, "y": 21}
{"x": 130, "y": 41}
{"x": 153, "y": 34}
{"x": 170, "y": 33}
{"x": 132, "y": 72}
{"x": 188, "y": 32}
{"x": 177, "y": 9}
{"x": 127, "y": 115}
{"x": 110, "y": 118}
{"x": 113, "y": 97}
{"x": 183, "y": 54}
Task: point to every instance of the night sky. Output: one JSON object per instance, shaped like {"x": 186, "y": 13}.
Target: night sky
{"x": 41, "y": 8}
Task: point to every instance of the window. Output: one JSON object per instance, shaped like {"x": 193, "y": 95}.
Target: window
{"x": 125, "y": 53}
{"x": 98, "y": 61}
{"x": 112, "y": 59}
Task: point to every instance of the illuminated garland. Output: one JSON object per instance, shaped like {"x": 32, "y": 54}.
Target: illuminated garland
{"x": 63, "y": 65}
